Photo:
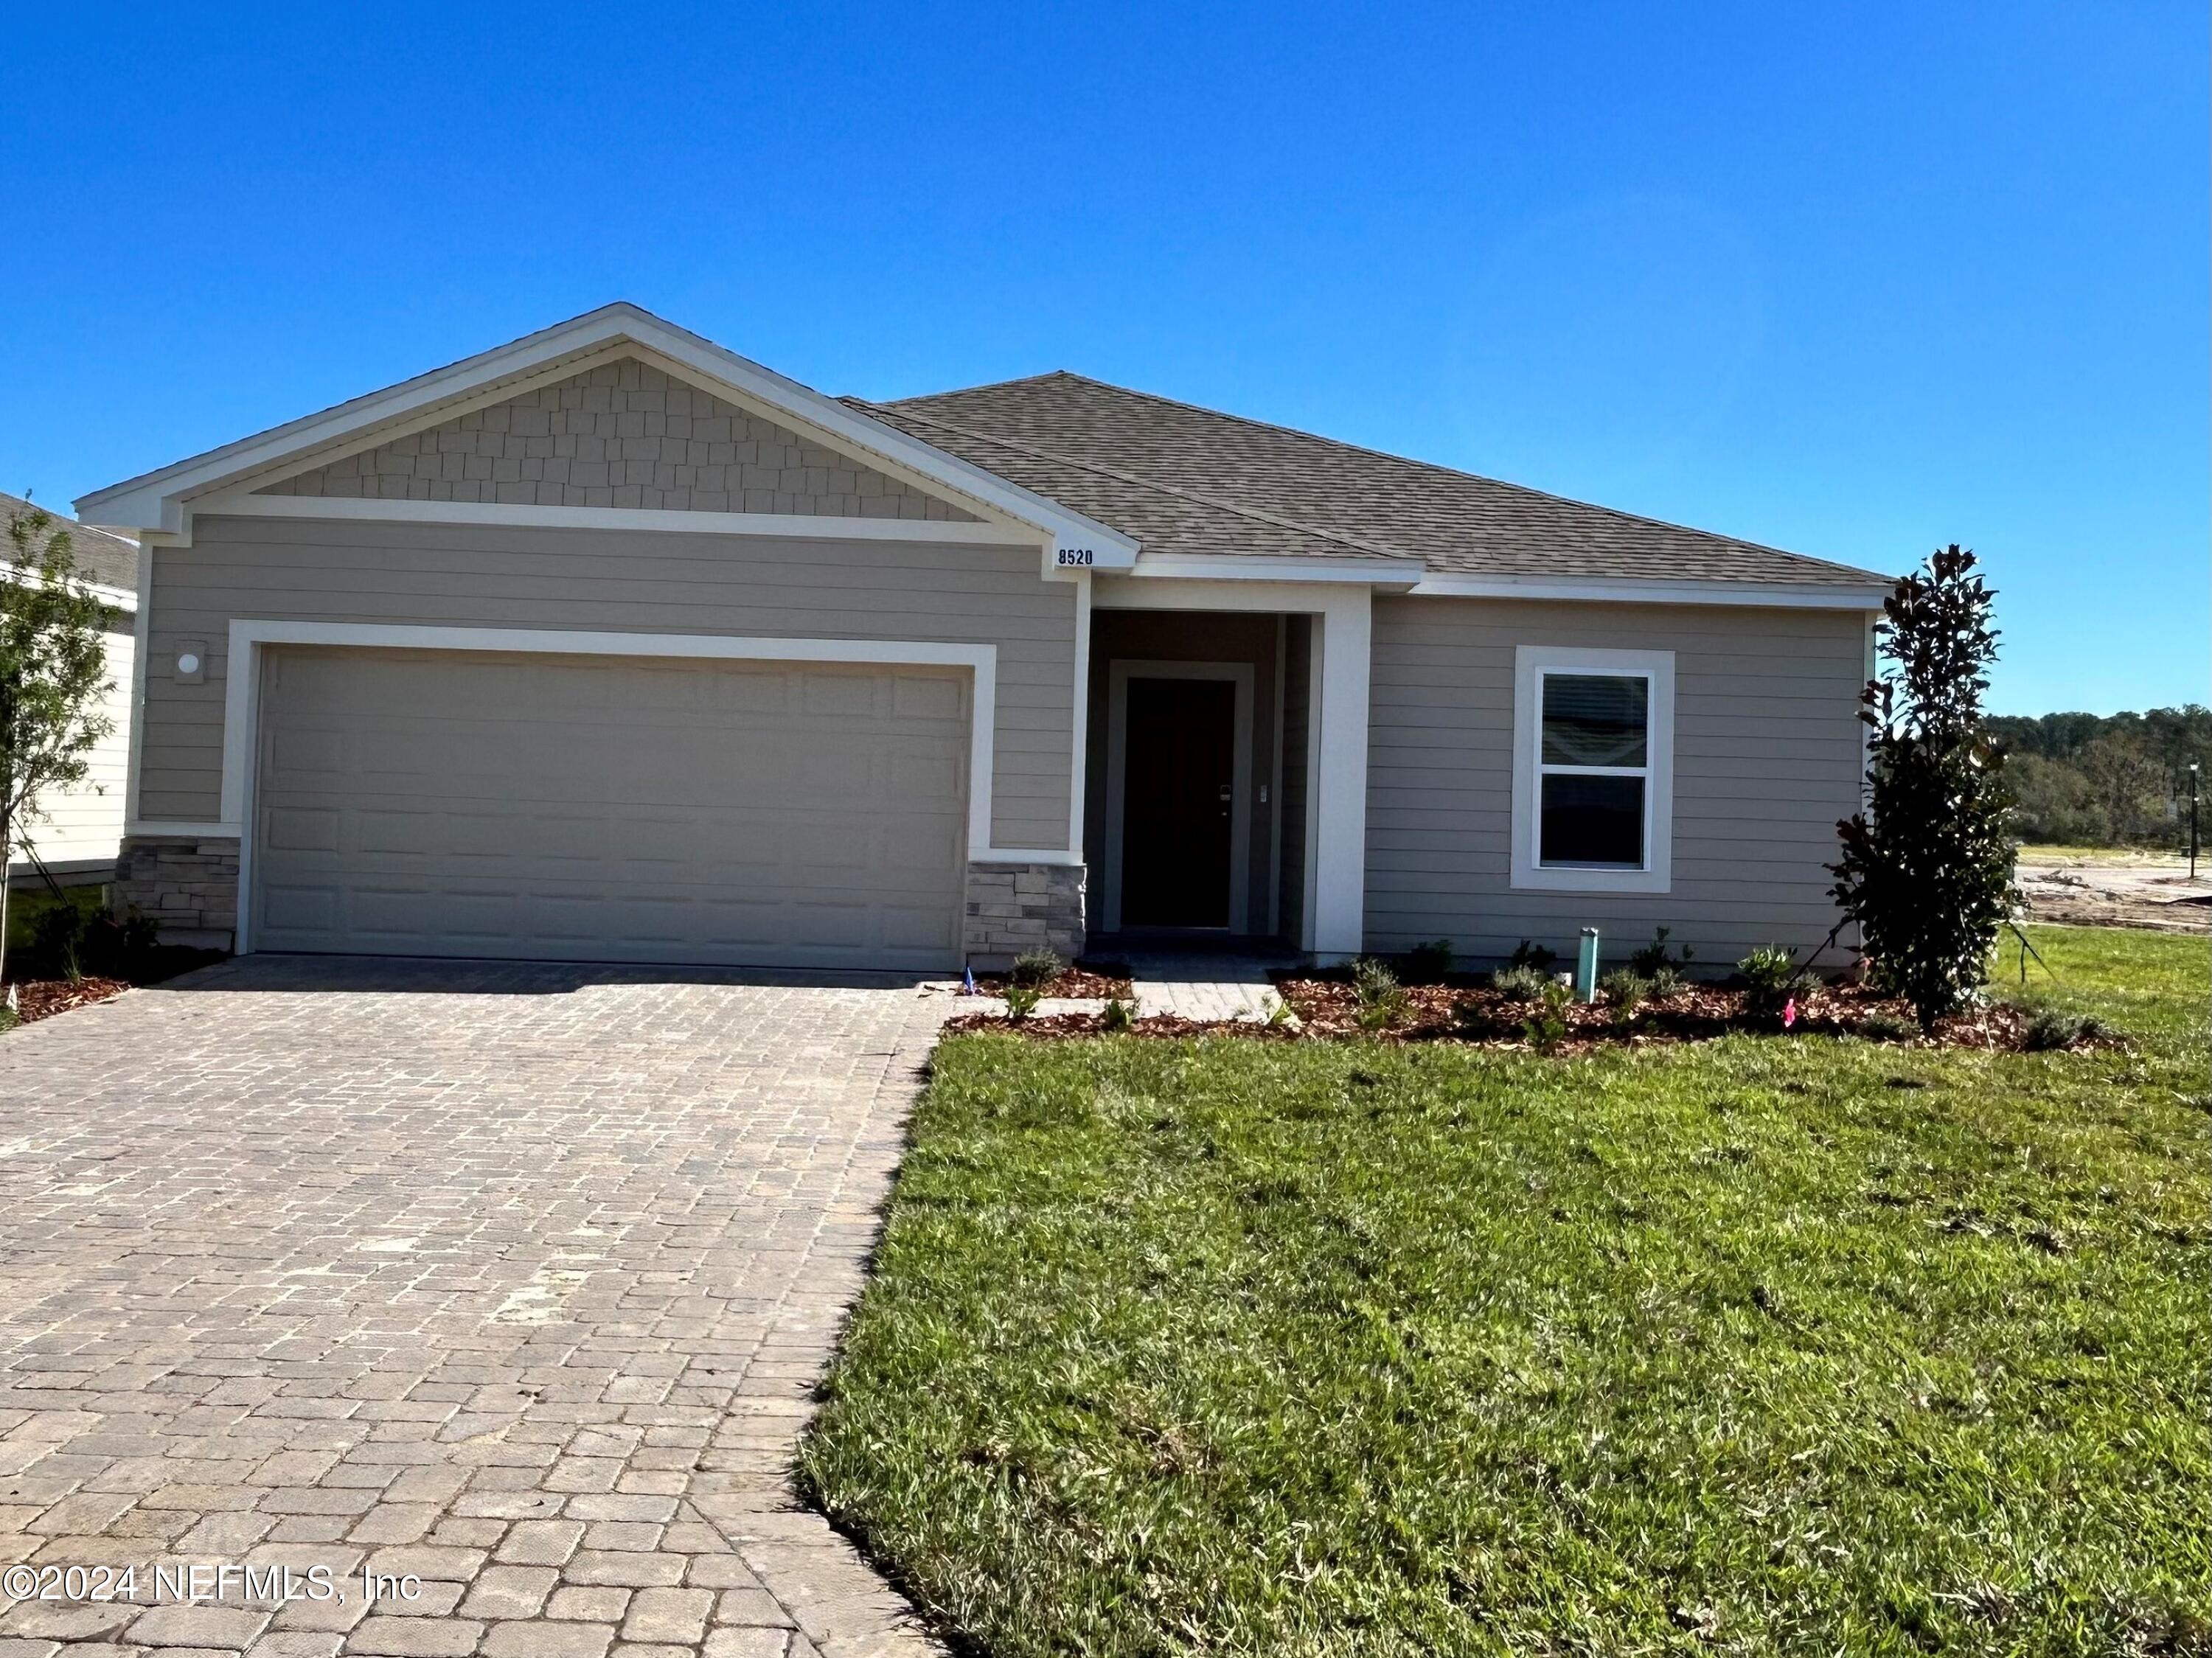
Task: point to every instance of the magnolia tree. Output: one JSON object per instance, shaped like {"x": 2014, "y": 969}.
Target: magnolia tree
{"x": 1927, "y": 868}
{"x": 53, "y": 676}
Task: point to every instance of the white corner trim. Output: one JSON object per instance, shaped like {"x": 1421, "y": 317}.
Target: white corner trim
{"x": 141, "y": 623}
{"x": 1119, "y": 673}
{"x": 1605, "y": 590}
{"x": 157, "y": 500}
{"x": 789, "y": 525}
{"x": 1530, "y": 663}
{"x": 247, "y": 637}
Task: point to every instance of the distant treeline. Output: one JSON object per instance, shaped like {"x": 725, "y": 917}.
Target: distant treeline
{"x": 2122, "y": 780}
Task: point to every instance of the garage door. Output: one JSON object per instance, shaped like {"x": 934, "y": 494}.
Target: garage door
{"x": 610, "y": 808}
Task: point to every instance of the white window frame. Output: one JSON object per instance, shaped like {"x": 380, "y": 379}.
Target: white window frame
{"x": 1531, "y": 663}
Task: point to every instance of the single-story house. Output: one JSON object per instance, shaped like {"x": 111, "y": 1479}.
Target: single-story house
{"x": 79, "y": 830}
{"x": 611, "y": 644}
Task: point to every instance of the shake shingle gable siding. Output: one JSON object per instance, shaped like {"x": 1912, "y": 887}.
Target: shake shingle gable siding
{"x": 1186, "y": 479}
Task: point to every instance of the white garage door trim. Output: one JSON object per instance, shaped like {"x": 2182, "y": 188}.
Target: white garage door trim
{"x": 242, "y": 699}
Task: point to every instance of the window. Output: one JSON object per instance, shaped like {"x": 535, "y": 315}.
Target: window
{"x": 1592, "y": 784}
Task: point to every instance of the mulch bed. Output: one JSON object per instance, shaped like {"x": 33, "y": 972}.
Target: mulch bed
{"x": 1475, "y": 1015}
{"x": 1093, "y": 981}
{"x": 42, "y": 998}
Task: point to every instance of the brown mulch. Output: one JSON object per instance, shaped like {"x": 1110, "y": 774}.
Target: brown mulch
{"x": 1098, "y": 981}
{"x": 42, "y": 998}
{"x": 1475, "y": 1015}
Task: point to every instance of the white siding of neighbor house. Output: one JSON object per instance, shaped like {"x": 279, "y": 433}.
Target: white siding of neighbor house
{"x": 85, "y": 824}
{"x": 1767, "y": 760}
{"x": 611, "y": 580}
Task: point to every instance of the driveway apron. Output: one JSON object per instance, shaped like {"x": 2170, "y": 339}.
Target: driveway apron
{"x": 507, "y": 1283}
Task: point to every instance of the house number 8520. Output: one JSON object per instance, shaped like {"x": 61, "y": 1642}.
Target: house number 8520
{"x": 1076, "y": 556}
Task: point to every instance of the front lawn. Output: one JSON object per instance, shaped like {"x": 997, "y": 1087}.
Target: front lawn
{"x": 1766, "y": 1345}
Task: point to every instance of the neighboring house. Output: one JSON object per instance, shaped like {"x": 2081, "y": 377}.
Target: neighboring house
{"x": 81, "y": 829}
{"x": 609, "y": 644}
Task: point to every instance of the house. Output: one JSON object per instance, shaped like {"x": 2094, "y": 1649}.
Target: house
{"x": 609, "y": 644}
{"x": 79, "y": 830}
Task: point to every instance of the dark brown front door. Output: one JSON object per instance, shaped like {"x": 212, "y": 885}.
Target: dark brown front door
{"x": 1178, "y": 750}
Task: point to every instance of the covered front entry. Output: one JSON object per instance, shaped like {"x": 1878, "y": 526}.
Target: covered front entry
{"x": 1179, "y": 797}
{"x": 736, "y": 812}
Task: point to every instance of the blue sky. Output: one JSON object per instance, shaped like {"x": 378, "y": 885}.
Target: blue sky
{"x": 1852, "y": 280}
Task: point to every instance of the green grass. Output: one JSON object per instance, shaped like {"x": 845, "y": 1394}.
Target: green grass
{"x": 1765, "y": 1345}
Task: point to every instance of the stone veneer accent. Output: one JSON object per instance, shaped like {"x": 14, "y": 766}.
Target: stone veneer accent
{"x": 622, "y": 434}
{"x": 1013, "y": 907}
{"x": 186, "y": 885}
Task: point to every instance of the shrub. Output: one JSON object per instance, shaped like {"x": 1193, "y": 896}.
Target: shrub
{"x": 1428, "y": 963}
{"x": 1381, "y": 998}
{"x": 1118, "y": 1014}
{"x": 1470, "y": 1018}
{"x": 1768, "y": 973}
{"x": 1883, "y": 1026}
{"x": 1653, "y": 960}
{"x": 2055, "y": 1028}
{"x": 1526, "y": 954}
{"x": 1279, "y": 1011}
{"x": 1547, "y": 1028}
{"x": 1626, "y": 993}
{"x": 1664, "y": 980}
{"x": 1522, "y": 982}
{"x": 1022, "y": 1000}
{"x": 1926, "y": 871}
{"x": 1035, "y": 967}
{"x": 59, "y": 940}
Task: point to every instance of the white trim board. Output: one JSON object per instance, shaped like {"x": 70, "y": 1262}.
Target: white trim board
{"x": 1119, "y": 673}
{"x": 241, "y": 710}
{"x": 1530, "y": 664}
{"x": 160, "y": 501}
{"x": 1609, "y": 591}
{"x": 789, "y": 525}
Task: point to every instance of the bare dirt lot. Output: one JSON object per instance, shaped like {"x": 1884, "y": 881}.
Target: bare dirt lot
{"x": 2115, "y": 889}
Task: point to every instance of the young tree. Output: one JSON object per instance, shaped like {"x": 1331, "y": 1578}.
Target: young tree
{"x": 53, "y": 675}
{"x": 1926, "y": 869}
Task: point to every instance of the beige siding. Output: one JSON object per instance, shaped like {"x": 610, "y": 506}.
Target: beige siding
{"x": 1766, "y": 759}
{"x": 622, "y": 434}
{"x": 643, "y": 582}
{"x": 85, "y": 824}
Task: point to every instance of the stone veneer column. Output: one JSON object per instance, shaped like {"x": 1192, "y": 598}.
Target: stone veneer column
{"x": 186, "y": 885}
{"x": 1013, "y": 907}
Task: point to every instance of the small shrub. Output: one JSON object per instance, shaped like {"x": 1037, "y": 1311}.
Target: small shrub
{"x": 58, "y": 940}
{"x": 1470, "y": 1018}
{"x": 1768, "y": 973}
{"x": 1526, "y": 954}
{"x": 1279, "y": 1012}
{"x": 1653, "y": 960}
{"x": 1428, "y": 964}
{"x": 1547, "y": 1028}
{"x": 1664, "y": 980}
{"x": 1381, "y": 1000}
{"x": 1884, "y": 1026}
{"x": 1022, "y": 1001}
{"x": 1035, "y": 967}
{"x": 1626, "y": 993}
{"x": 1522, "y": 982}
{"x": 2057, "y": 1028}
{"x": 1118, "y": 1014}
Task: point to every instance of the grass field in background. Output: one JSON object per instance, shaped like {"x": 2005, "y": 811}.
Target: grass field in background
{"x": 1770, "y": 1345}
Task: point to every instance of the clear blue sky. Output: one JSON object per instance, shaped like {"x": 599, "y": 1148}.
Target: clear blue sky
{"x": 1852, "y": 281}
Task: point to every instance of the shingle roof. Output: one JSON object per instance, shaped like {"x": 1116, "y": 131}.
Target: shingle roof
{"x": 109, "y": 560}
{"x": 1183, "y": 479}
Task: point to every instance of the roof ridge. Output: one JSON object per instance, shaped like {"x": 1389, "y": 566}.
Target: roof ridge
{"x": 1372, "y": 549}
{"x": 1408, "y": 461}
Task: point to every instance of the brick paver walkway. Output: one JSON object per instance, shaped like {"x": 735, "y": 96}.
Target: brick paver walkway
{"x": 511, "y": 1279}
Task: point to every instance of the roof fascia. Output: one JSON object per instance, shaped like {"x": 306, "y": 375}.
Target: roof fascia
{"x": 1770, "y": 595}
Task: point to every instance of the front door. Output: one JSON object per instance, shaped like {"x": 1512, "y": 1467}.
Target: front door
{"x": 1179, "y": 749}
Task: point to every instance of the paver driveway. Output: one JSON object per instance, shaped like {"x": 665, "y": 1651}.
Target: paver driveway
{"x": 512, "y": 1278}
